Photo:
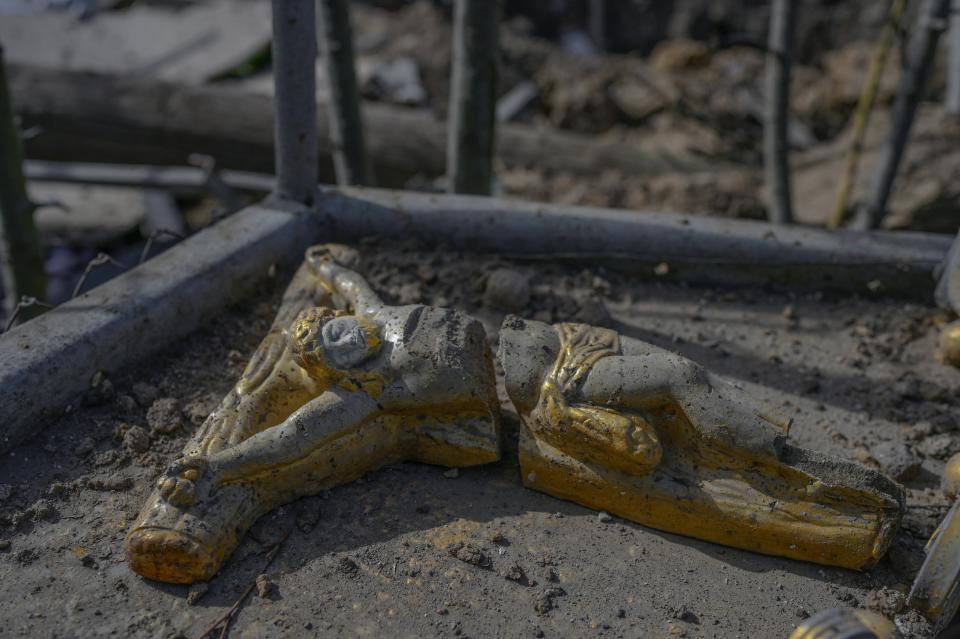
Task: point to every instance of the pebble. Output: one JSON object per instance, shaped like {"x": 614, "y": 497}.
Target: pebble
{"x": 603, "y": 517}
{"x": 896, "y": 460}
{"x": 507, "y": 289}
{"x": 136, "y": 439}
{"x": 453, "y": 473}
{"x": 264, "y": 586}
{"x": 165, "y": 416}
{"x": 515, "y": 573}
{"x": 197, "y": 591}
{"x": 886, "y": 601}
{"x": 85, "y": 446}
{"x": 145, "y": 394}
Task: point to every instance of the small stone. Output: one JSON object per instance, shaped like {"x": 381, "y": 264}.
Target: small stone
{"x": 196, "y": 592}
{"x": 789, "y": 312}
{"x": 515, "y": 573}
{"x": 545, "y": 602}
{"x": 264, "y": 586}
{"x": 347, "y": 566}
{"x": 126, "y": 403}
{"x": 136, "y": 439}
{"x": 886, "y": 601}
{"x": 469, "y": 554}
{"x": 453, "y": 473}
{"x": 661, "y": 269}
{"x": 44, "y": 510}
{"x": 682, "y": 613}
{"x": 938, "y": 446}
{"x": 621, "y": 613}
{"x": 165, "y": 416}
{"x": 507, "y": 289}
{"x": 919, "y": 431}
{"x": 675, "y": 629}
{"x": 100, "y": 392}
{"x": 603, "y": 517}
{"x": 85, "y": 446}
{"x": 145, "y": 394}
{"x": 896, "y": 459}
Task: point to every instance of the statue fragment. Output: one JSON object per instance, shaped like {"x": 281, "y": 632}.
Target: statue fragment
{"x": 341, "y": 385}
{"x": 617, "y": 424}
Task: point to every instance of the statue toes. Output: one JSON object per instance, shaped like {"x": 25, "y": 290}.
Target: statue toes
{"x": 184, "y": 493}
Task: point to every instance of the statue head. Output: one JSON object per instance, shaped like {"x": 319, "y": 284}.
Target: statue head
{"x": 331, "y": 342}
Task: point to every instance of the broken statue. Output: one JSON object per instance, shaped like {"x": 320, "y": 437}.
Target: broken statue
{"x": 617, "y": 424}
{"x": 341, "y": 385}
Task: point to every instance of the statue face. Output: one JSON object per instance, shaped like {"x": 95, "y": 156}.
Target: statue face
{"x": 344, "y": 342}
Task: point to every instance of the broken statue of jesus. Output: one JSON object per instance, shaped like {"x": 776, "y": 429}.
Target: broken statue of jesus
{"x": 341, "y": 385}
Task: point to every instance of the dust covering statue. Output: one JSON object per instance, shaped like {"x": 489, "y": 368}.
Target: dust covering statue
{"x": 341, "y": 385}
{"x": 617, "y": 424}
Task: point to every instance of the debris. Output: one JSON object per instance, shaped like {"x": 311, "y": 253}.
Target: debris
{"x": 196, "y": 592}
{"x": 396, "y": 81}
{"x": 896, "y": 459}
{"x": 135, "y": 438}
{"x": 145, "y": 394}
{"x": 453, "y": 473}
{"x": 546, "y": 601}
{"x": 101, "y": 390}
{"x": 347, "y": 567}
{"x": 515, "y": 573}
{"x": 264, "y": 586}
{"x": 165, "y": 416}
{"x": 603, "y": 517}
{"x": 507, "y": 290}
{"x": 470, "y": 554}
{"x": 886, "y": 601}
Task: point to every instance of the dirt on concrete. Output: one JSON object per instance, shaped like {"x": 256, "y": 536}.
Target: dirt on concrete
{"x": 414, "y": 550}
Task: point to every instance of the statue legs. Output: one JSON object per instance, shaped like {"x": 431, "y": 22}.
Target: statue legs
{"x": 725, "y": 472}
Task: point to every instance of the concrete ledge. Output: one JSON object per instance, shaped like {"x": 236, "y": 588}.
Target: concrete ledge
{"x": 48, "y": 362}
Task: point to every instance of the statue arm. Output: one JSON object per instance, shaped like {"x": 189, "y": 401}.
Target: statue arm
{"x": 323, "y": 419}
{"x": 348, "y": 284}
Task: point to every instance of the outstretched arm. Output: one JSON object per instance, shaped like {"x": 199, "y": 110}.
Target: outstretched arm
{"x": 332, "y": 415}
{"x": 348, "y": 284}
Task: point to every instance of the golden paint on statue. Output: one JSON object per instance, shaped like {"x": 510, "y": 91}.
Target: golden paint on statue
{"x": 617, "y": 424}
{"x": 341, "y": 385}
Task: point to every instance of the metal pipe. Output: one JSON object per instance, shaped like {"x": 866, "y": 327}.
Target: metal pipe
{"x": 473, "y": 94}
{"x": 776, "y": 146}
{"x": 346, "y": 124}
{"x": 295, "y": 99}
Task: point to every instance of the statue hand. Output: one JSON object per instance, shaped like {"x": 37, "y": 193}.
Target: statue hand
{"x": 179, "y": 482}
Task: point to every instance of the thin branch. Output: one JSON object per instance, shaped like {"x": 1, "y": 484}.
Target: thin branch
{"x": 99, "y": 260}
{"x": 776, "y": 146}
{"x": 235, "y": 608}
{"x": 346, "y": 125}
{"x": 473, "y": 87}
{"x": 923, "y": 46}
{"x": 862, "y": 114}
{"x": 24, "y": 303}
{"x": 21, "y": 253}
{"x": 153, "y": 236}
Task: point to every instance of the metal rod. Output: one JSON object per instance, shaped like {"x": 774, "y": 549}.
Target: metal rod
{"x": 923, "y": 46}
{"x": 776, "y": 145}
{"x": 295, "y": 99}
{"x": 473, "y": 88}
{"x": 952, "y": 102}
{"x": 697, "y": 248}
{"x": 350, "y": 161}
{"x": 21, "y": 254}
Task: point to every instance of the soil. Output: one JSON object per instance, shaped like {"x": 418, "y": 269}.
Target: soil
{"x": 414, "y": 550}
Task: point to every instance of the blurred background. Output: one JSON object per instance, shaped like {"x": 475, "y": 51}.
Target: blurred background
{"x": 676, "y": 86}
